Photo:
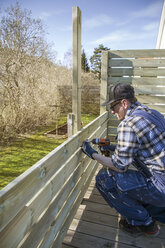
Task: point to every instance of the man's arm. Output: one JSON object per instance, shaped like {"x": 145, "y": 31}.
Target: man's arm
{"x": 106, "y": 161}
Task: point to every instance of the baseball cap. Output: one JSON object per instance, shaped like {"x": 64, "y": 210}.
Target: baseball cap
{"x": 118, "y": 92}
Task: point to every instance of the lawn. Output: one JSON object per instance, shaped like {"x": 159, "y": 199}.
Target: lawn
{"x": 21, "y": 153}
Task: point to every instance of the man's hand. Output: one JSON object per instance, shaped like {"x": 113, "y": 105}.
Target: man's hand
{"x": 87, "y": 149}
{"x": 107, "y": 148}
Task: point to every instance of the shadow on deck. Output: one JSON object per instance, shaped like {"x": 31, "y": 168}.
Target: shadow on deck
{"x": 95, "y": 225}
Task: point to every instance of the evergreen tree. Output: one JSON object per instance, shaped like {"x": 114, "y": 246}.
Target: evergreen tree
{"x": 95, "y": 59}
{"x": 84, "y": 62}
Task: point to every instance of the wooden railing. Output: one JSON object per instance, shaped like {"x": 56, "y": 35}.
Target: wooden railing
{"x": 143, "y": 69}
{"x": 38, "y": 206}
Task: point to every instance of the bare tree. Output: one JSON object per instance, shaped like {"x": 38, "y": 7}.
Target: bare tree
{"x": 24, "y": 55}
{"x": 68, "y": 58}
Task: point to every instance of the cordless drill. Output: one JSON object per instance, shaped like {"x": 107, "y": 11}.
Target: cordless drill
{"x": 105, "y": 148}
{"x": 104, "y": 145}
{"x": 101, "y": 142}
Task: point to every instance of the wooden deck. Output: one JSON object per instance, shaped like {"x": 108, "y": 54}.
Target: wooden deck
{"x": 95, "y": 225}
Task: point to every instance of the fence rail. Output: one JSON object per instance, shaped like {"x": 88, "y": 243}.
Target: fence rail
{"x": 38, "y": 206}
{"x": 143, "y": 69}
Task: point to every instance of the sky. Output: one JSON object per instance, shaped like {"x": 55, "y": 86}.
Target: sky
{"x": 117, "y": 24}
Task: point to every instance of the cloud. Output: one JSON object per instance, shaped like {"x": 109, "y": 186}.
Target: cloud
{"x": 98, "y": 21}
{"x": 108, "y": 38}
{"x": 151, "y": 26}
{"x": 45, "y": 15}
{"x": 120, "y": 36}
{"x": 152, "y": 10}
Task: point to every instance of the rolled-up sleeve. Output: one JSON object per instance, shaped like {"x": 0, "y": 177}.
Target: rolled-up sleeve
{"x": 126, "y": 148}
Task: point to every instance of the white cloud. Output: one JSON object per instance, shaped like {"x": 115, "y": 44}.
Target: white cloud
{"x": 108, "y": 38}
{"x": 98, "y": 21}
{"x": 151, "y": 26}
{"x": 152, "y": 10}
{"x": 121, "y": 36}
{"x": 45, "y": 15}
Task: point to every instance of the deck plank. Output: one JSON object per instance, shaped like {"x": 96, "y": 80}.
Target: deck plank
{"x": 96, "y": 225}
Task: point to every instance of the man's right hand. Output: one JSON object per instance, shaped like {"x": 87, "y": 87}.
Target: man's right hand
{"x": 87, "y": 149}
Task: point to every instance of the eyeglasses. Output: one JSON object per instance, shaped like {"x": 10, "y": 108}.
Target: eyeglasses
{"x": 112, "y": 107}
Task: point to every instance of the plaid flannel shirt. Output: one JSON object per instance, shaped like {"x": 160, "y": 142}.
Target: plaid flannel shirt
{"x": 136, "y": 136}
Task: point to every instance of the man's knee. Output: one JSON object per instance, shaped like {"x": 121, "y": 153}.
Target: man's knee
{"x": 102, "y": 174}
{"x": 104, "y": 181}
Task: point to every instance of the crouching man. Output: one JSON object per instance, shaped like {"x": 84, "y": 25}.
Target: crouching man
{"x": 139, "y": 197}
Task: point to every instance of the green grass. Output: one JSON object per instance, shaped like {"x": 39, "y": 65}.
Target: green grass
{"x": 21, "y": 153}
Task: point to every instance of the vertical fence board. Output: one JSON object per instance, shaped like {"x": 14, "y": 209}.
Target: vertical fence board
{"x": 76, "y": 90}
{"x": 104, "y": 80}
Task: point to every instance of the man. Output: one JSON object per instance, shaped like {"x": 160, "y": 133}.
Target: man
{"x": 139, "y": 197}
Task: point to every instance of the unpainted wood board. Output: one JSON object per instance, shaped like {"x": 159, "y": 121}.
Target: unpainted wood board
{"x": 69, "y": 206}
{"x": 39, "y": 229}
{"x": 86, "y": 176}
{"x": 96, "y": 198}
{"x": 113, "y": 123}
{"x": 137, "y": 81}
{"x": 104, "y": 81}
{"x": 82, "y": 240}
{"x": 115, "y": 234}
{"x": 70, "y": 180}
{"x": 42, "y": 201}
{"x": 105, "y": 219}
{"x": 15, "y": 195}
{"x": 148, "y": 90}
{"x": 95, "y": 217}
{"x": 12, "y": 235}
{"x": 68, "y": 220}
{"x": 148, "y": 99}
{"x": 91, "y": 191}
{"x": 137, "y": 63}
{"x": 99, "y": 133}
{"x": 13, "y": 200}
{"x": 66, "y": 246}
{"x": 138, "y": 53}
{"x": 143, "y": 72}
{"x": 112, "y": 130}
{"x": 98, "y": 208}
{"x": 76, "y": 72}
{"x": 112, "y": 138}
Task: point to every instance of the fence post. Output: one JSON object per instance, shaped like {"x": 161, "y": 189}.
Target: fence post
{"x": 70, "y": 121}
{"x": 104, "y": 80}
{"x": 76, "y": 87}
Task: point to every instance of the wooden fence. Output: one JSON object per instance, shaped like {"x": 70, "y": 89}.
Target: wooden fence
{"x": 38, "y": 206}
{"x": 143, "y": 69}
{"x": 90, "y": 98}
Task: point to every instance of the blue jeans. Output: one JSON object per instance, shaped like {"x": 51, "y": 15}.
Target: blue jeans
{"x": 132, "y": 195}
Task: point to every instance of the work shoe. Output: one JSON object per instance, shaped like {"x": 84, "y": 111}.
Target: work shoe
{"x": 151, "y": 229}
